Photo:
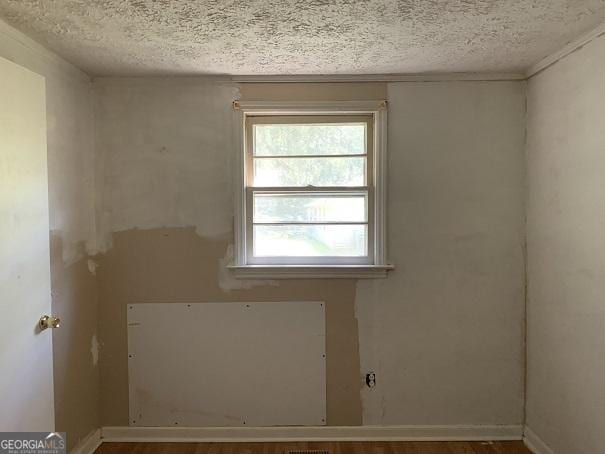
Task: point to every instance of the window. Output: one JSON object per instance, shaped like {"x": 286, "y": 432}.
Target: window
{"x": 312, "y": 192}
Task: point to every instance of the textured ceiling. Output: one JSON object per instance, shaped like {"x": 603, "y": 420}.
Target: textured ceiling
{"x": 186, "y": 37}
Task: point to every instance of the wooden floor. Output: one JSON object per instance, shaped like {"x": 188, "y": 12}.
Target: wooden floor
{"x": 425, "y": 447}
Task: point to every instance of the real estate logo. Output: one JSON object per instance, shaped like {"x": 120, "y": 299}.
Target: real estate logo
{"x": 32, "y": 443}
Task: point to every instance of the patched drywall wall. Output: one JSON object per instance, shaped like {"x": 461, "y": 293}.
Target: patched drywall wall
{"x": 184, "y": 37}
{"x": 450, "y": 317}
{"x": 566, "y": 251}
{"x": 75, "y": 356}
{"x": 445, "y": 332}
{"x": 165, "y": 147}
{"x": 177, "y": 265}
{"x": 71, "y": 206}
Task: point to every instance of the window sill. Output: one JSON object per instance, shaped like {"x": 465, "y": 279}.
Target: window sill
{"x": 310, "y": 271}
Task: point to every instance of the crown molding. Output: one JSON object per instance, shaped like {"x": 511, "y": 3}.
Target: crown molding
{"x": 569, "y": 48}
{"x": 24, "y": 51}
{"x": 333, "y": 78}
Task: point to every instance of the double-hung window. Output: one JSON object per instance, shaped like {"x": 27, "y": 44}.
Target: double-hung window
{"x": 311, "y": 200}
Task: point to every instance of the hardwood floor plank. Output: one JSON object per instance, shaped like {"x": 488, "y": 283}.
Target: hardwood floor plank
{"x": 459, "y": 447}
{"x": 416, "y": 447}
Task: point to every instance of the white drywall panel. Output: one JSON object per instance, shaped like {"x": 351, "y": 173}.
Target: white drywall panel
{"x": 227, "y": 364}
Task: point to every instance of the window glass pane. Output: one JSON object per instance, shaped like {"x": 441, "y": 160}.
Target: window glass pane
{"x": 309, "y": 208}
{"x": 309, "y": 171}
{"x": 309, "y": 139}
{"x": 310, "y": 240}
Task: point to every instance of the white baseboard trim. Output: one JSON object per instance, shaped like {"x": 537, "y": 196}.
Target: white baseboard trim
{"x": 323, "y": 433}
{"x": 88, "y": 444}
{"x": 535, "y": 443}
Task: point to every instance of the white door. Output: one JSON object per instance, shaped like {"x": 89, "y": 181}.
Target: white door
{"x": 26, "y": 375}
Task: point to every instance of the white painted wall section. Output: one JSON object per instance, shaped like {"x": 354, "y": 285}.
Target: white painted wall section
{"x": 566, "y": 252}
{"x": 227, "y": 364}
{"x": 445, "y": 331}
{"x": 177, "y": 171}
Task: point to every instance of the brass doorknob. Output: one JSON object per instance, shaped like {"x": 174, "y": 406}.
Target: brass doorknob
{"x": 48, "y": 321}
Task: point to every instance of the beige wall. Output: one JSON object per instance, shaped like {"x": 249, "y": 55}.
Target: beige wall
{"x": 71, "y": 203}
{"x": 444, "y": 332}
{"x": 566, "y": 251}
{"x": 167, "y": 153}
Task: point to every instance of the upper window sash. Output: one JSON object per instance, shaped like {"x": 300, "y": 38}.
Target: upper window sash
{"x": 252, "y": 158}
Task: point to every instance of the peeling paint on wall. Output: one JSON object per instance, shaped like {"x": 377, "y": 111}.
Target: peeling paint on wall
{"x": 92, "y": 266}
{"x": 94, "y": 350}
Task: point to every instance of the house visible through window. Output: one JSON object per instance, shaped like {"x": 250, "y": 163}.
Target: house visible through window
{"x": 310, "y": 190}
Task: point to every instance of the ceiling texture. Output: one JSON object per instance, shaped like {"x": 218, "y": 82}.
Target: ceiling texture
{"x": 278, "y": 37}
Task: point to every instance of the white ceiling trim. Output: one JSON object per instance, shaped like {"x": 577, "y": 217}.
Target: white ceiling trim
{"x": 441, "y": 77}
{"x": 13, "y": 42}
{"x": 569, "y": 48}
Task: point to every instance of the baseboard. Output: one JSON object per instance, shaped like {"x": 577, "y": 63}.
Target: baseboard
{"x": 323, "y": 433}
{"x": 535, "y": 443}
{"x": 88, "y": 444}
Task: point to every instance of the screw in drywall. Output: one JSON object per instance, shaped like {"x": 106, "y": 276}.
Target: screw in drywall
{"x": 371, "y": 379}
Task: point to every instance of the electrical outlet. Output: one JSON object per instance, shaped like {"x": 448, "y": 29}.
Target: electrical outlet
{"x": 371, "y": 379}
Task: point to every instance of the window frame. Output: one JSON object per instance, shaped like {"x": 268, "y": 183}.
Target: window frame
{"x": 374, "y": 264}
{"x": 366, "y": 189}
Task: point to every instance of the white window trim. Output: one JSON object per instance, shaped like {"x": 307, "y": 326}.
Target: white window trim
{"x": 379, "y": 267}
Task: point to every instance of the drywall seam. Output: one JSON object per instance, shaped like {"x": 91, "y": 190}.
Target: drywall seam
{"x": 569, "y": 48}
{"x": 51, "y": 61}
